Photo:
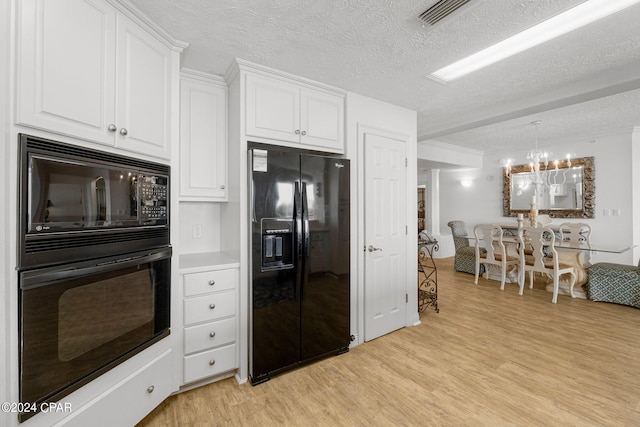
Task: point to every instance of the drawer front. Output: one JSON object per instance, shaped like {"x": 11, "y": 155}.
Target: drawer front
{"x": 140, "y": 393}
{"x": 209, "y": 281}
{"x": 209, "y": 307}
{"x": 209, "y": 335}
{"x": 209, "y": 363}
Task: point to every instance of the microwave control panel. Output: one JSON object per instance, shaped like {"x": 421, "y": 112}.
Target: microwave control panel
{"x": 154, "y": 193}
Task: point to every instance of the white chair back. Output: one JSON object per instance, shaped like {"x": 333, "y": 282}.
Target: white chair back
{"x": 538, "y": 254}
{"x": 538, "y": 240}
{"x": 491, "y": 234}
{"x": 575, "y": 232}
{"x": 496, "y": 252}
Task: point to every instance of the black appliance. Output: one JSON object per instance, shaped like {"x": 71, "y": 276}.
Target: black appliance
{"x": 94, "y": 265}
{"x": 79, "y": 320}
{"x": 72, "y": 197}
{"x": 300, "y": 260}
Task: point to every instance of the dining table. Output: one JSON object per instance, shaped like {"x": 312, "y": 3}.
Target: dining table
{"x": 578, "y": 255}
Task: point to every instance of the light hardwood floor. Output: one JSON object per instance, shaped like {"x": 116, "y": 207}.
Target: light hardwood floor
{"x": 488, "y": 358}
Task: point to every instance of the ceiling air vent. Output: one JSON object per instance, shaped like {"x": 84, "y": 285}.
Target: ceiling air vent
{"x": 441, "y": 10}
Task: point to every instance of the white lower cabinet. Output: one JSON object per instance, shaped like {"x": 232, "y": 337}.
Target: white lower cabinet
{"x": 210, "y": 324}
{"x": 130, "y": 400}
{"x": 209, "y": 363}
{"x": 208, "y": 335}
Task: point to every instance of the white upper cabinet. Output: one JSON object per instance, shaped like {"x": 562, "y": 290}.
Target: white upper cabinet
{"x": 143, "y": 97}
{"x": 283, "y": 111}
{"x": 203, "y": 137}
{"x": 86, "y": 70}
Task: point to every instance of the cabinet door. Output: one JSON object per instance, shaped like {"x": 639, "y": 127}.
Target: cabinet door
{"x": 66, "y": 67}
{"x": 272, "y": 109}
{"x": 322, "y": 120}
{"x": 143, "y": 94}
{"x": 203, "y": 140}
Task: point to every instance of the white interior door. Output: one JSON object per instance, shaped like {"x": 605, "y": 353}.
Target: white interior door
{"x": 385, "y": 235}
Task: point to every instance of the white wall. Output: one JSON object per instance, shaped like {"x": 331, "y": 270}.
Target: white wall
{"x": 205, "y": 216}
{"x": 482, "y": 202}
{"x": 363, "y": 111}
{"x": 437, "y": 151}
{"x": 5, "y": 278}
{"x": 635, "y": 185}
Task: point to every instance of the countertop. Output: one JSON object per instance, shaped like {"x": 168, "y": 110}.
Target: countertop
{"x": 206, "y": 261}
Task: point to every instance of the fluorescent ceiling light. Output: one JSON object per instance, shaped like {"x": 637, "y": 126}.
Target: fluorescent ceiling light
{"x": 577, "y": 17}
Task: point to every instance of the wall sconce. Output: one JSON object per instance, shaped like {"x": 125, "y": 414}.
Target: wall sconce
{"x": 466, "y": 183}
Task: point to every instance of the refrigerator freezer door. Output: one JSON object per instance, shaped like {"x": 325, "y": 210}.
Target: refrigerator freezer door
{"x": 275, "y": 303}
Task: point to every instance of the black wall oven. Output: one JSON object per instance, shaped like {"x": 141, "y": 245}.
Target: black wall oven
{"x": 94, "y": 270}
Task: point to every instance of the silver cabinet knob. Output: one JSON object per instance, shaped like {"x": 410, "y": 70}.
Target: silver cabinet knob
{"x": 297, "y": 132}
{"x": 212, "y": 362}
{"x": 372, "y": 249}
{"x": 212, "y": 334}
{"x": 212, "y": 282}
{"x": 112, "y": 128}
{"x": 150, "y": 389}
{"x": 212, "y": 306}
{"x": 222, "y": 187}
{"x": 124, "y": 131}
{"x": 304, "y": 132}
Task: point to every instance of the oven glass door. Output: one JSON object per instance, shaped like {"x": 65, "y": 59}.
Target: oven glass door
{"x": 78, "y": 321}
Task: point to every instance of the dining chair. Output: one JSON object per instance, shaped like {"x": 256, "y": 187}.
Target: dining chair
{"x": 494, "y": 252}
{"x": 543, "y": 220}
{"x": 575, "y": 232}
{"x": 539, "y": 243}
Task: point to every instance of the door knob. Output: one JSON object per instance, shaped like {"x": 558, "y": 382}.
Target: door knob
{"x": 372, "y": 249}
{"x": 112, "y": 128}
{"x": 124, "y": 131}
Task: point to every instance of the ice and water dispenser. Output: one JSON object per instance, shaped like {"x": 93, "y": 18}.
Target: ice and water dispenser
{"x": 277, "y": 243}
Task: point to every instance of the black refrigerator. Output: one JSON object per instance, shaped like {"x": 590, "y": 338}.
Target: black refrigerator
{"x": 299, "y": 213}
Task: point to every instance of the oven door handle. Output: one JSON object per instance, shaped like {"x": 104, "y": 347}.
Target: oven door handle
{"x": 47, "y": 276}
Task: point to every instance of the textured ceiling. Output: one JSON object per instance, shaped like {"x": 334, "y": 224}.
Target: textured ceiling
{"x": 582, "y": 83}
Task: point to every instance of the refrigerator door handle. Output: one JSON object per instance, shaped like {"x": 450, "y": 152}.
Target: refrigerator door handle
{"x": 305, "y": 228}
{"x": 298, "y": 236}
{"x": 297, "y": 217}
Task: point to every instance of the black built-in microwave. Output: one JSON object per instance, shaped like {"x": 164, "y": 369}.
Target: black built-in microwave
{"x": 77, "y": 203}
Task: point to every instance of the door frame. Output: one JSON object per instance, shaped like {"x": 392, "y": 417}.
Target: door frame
{"x": 412, "y": 315}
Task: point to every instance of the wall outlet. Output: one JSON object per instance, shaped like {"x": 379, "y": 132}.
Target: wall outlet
{"x": 196, "y": 231}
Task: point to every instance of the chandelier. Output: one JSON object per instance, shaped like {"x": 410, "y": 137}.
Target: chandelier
{"x": 541, "y": 174}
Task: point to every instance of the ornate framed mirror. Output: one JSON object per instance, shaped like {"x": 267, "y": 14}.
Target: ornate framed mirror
{"x": 567, "y": 190}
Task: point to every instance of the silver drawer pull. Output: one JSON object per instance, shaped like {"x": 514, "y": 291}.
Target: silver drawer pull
{"x": 212, "y": 362}
{"x": 212, "y": 282}
{"x": 212, "y": 306}
{"x": 212, "y": 334}
{"x": 150, "y": 389}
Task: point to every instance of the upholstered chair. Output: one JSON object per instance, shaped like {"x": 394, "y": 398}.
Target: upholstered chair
{"x": 465, "y": 258}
